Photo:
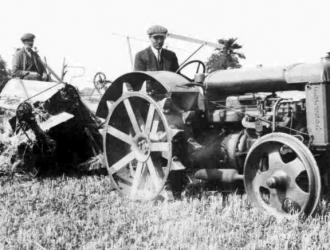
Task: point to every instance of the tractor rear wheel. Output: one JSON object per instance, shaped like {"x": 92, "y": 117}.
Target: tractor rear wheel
{"x": 137, "y": 146}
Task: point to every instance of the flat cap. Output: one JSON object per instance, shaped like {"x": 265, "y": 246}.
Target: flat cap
{"x": 157, "y": 30}
{"x": 27, "y": 36}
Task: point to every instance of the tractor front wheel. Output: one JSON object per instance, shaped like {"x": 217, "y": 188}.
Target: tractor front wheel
{"x": 281, "y": 176}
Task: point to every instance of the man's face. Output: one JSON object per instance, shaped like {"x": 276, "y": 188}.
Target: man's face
{"x": 28, "y": 43}
{"x": 157, "y": 41}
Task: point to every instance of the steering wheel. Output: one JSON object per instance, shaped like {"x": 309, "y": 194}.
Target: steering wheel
{"x": 199, "y": 64}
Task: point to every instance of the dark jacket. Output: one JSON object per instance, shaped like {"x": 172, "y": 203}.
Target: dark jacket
{"x": 23, "y": 63}
{"x": 146, "y": 60}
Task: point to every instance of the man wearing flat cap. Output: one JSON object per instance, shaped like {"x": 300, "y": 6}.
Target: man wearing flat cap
{"x": 155, "y": 57}
{"x": 27, "y": 63}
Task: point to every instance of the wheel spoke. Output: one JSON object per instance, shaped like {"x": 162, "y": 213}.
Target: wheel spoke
{"x": 275, "y": 159}
{"x": 274, "y": 200}
{"x": 121, "y": 163}
{"x": 160, "y": 147}
{"x": 119, "y": 134}
{"x": 154, "y": 175}
{"x": 144, "y": 87}
{"x": 131, "y": 116}
{"x": 137, "y": 179}
{"x": 155, "y": 125}
{"x": 297, "y": 195}
{"x": 150, "y": 117}
{"x": 159, "y": 136}
{"x": 156, "y": 135}
{"x": 294, "y": 168}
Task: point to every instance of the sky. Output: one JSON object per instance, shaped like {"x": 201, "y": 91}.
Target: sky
{"x": 91, "y": 33}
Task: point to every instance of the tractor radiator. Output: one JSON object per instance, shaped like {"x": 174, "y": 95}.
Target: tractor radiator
{"x": 318, "y": 113}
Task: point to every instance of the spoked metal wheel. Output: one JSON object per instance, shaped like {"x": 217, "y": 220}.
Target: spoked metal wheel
{"x": 281, "y": 176}
{"x": 99, "y": 81}
{"x": 137, "y": 146}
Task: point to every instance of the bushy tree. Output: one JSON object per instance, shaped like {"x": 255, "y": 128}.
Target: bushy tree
{"x": 227, "y": 57}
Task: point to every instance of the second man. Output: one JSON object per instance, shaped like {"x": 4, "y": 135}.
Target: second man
{"x": 155, "y": 57}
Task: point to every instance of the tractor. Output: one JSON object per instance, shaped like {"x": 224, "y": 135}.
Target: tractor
{"x": 265, "y": 127}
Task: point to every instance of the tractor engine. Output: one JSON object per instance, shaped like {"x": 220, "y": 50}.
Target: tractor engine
{"x": 245, "y": 118}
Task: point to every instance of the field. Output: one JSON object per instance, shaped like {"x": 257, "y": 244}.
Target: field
{"x": 84, "y": 213}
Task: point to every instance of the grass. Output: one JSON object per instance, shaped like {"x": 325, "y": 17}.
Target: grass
{"x": 84, "y": 213}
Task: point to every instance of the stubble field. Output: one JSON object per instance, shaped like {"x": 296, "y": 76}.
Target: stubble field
{"x": 85, "y": 213}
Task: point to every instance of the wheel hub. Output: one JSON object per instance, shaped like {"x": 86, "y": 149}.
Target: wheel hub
{"x": 141, "y": 147}
{"x": 278, "y": 180}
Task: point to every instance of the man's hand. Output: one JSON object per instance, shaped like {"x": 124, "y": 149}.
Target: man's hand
{"x": 45, "y": 77}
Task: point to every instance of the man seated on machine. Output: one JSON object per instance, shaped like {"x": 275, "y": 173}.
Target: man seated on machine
{"x": 27, "y": 63}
